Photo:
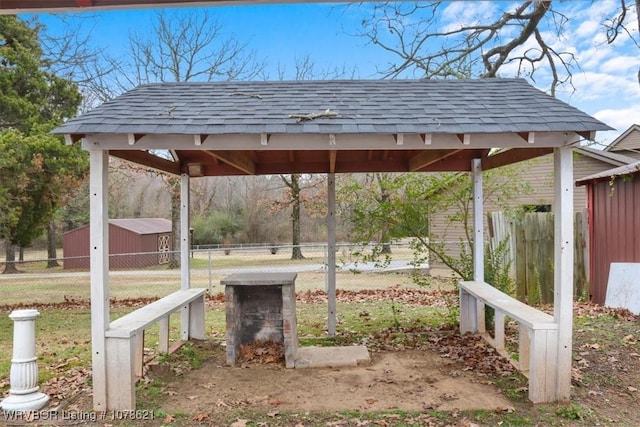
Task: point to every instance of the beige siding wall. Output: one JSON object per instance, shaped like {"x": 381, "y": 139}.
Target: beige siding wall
{"x": 629, "y": 143}
{"x": 538, "y": 175}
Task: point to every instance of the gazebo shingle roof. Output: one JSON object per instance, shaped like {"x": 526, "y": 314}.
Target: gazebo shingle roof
{"x": 360, "y": 106}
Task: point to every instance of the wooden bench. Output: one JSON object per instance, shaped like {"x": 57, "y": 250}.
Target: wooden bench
{"x": 538, "y": 334}
{"x": 124, "y": 340}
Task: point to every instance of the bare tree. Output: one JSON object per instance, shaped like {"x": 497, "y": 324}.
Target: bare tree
{"x": 180, "y": 47}
{"x": 618, "y": 25}
{"x": 183, "y": 47}
{"x": 426, "y": 45}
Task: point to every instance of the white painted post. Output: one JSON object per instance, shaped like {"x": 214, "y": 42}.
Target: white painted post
{"x": 563, "y": 267}
{"x": 478, "y": 236}
{"x": 185, "y": 271}
{"x": 23, "y": 394}
{"x": 478, "y": 240}
{"x": 99, "y": 272}
{"x": 331, "y": 254}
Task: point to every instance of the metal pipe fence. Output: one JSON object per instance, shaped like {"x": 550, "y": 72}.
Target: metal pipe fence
{"x": 151, "y": 275}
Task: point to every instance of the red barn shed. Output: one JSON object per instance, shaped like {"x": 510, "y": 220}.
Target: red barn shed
{"x": 133, "y": 243}
{"x": 613, "y": 202}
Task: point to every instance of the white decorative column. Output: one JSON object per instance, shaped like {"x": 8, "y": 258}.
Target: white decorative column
{"x": 24, "y": 395}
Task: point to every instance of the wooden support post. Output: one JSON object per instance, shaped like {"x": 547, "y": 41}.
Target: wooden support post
{"x": 331, "y": 254}
{"x": 185, "y": 271}
{"x": 563, "y": 267}
{"x": 99, "y": 272}
{"x": 478, "y": 235}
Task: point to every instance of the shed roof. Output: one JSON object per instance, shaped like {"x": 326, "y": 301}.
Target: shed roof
{"x": 140, "y": 226}
{"x": 632, "y": 168}
{"x": 143, "y": 225}
{"x": 341, "y": 126}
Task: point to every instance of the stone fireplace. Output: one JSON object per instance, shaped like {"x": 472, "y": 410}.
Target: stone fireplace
{"x": 260, "y": 307}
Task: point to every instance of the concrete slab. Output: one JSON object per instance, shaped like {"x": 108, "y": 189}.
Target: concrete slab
{"x": 331, "y": 357}
{"x": 623, "y": 288}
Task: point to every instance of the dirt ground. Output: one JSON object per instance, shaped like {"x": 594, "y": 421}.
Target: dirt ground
{"x": 412, "y": 380}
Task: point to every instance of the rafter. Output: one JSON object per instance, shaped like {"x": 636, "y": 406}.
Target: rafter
{"x": 513, "y": 155}
{"x": 235, "y": 159}
{"x": 148, "y": 159}
{"x": 428, "y": 157}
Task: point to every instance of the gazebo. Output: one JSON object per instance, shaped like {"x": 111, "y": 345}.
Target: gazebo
{"x": 329, "y": 127}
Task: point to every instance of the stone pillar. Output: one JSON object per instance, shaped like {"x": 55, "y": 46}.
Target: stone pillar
{"x": 23, "y": 394}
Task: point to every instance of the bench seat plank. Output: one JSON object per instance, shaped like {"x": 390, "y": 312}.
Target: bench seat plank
{"x": 533, "y": 318}
{"x": 130, "y": 324}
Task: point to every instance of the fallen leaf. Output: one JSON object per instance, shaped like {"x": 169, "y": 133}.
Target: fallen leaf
{"x": 200, "y": 417}
{"x": 371, "y": 400}
{"x": 276, "y": 402}
{"x": 239, "y": 423}
{"x": 273, "y": 414}
{"x": 168, "y": 419}
{"x": 632, "y": 389}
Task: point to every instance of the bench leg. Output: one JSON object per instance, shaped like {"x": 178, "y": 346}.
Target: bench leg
{"x": 524, "y": 347}
{"x": 196, "y": 319}
{"x": 468, "y": 312}
{"x": 163, "y": 335}
{"x": 542, "y": 372}
{"x": 498, "y": 331}
{"x": 121, "y": 381}
{"x": 139, "y": 352}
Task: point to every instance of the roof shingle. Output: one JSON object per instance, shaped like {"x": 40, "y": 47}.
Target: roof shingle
{"x": 370, "y": 106}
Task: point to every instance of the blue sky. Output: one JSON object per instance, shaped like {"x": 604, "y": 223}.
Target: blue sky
{"x": 606, "y": 84}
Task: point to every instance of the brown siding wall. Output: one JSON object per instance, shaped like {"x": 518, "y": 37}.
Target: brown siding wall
{"x": 615, "y": 230}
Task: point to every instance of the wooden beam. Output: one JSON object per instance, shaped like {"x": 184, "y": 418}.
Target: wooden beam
{"x": 513, "y": 155}
{"x": 73, "y": 137}
{"x": 333, "y": 154}
{"x": 146, "y": 159}
{"x": 199, "y": 139}
{"x": 587, "y": 135}
{"x": 399, "y": 137}
{"x": 84, "y": 3}
{"x": 428, "y": 157}
{"x": 235, "y": 159}
{"x": 292, "y": 156}
{"x": 134, "y": 137}
{"x": 426, "y": 138}
{"x": 465, "y": 138}
{"x": 264, "y": 139}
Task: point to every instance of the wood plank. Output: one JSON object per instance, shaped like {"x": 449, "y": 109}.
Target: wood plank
{"x": 428, "y": 157}
{"x": 128, "y": 325}
{"x": 144, "y": 158}
{"x": 237, "y": 160}
{"x": 517, "y": 310}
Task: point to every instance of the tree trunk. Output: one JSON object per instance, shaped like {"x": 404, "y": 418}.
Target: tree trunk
{"x": 384, "y": 198}
{"x": 21, "y": 254}
{"x": 10, "y": 256}
{"x": 174, "y": 185}
{"x": 296, "y": 252}
{"x": 52, "y": 255}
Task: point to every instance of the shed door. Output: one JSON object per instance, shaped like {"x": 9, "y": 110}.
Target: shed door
{"x": 163, "y": 248}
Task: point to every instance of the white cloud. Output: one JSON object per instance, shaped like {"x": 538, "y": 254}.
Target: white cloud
{"x": 620, "y": 64}
{"x": 620, "y": 119}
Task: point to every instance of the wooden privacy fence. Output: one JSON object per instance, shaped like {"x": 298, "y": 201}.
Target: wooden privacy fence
{"x": 530, "y": 252}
